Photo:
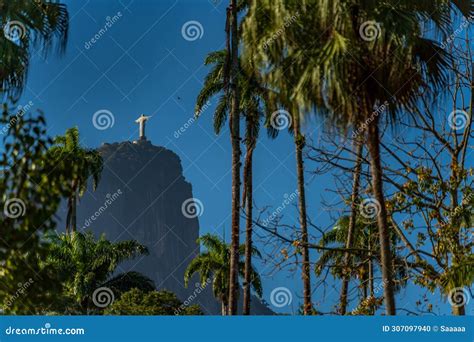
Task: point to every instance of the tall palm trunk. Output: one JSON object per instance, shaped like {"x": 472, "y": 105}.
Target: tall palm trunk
{"x": 69, "y": 213}
{"x": 352, "y": 225}
{"x": 248, "y": 199}
{"x": 223, "y": 308}
{"x": 458, "y": 310}
{"x": 299, "y": 144}
{"x": 373, "y": 144}
{"x": 235, "y": 141}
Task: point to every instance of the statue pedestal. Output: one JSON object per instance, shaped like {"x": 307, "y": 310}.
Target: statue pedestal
{"x": 142, "y": 141}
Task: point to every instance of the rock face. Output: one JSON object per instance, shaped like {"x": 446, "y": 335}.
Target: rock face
{"x": 140, "y": 196}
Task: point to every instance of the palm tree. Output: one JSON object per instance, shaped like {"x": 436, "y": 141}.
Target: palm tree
{"x": 214, "y": 263}
{"x": 26, "y": 25}
{"x": 252, "y": 129}
{"x": 243, "y": 95}
{"x": 277, "y": 120}
{"x": 290, "y": 114}
{"x": 352, "y": 221}
{"x": 84, "y": 163}
{"x": 234, "y": 122}
{"x": 85, "y": 264}
{"x": 356, "y": 58}
{"x": 299, "y": 146}
{"x": 253, "y": 101}
{"x": 361, "y": 264}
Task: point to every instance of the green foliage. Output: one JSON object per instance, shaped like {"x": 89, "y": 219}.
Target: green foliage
{"x": 138, "y": 302}
{"x": 365, "y": 239}
{"x": 84, "y": 264}
{"x": 39, "y": 24}
{"x": 31, "y": 191}
{"x": 352, "y": 61}
{"x": 253, "y": 96}
{"x": 449, "y": 233}
{"x": 367, "y": 306}
{"x": 84, "y": 164}
{"x": 54, "y": 273}
{"x": 30, "y": 182}
{"x": 214, "y": 263}
{"x": 344, "y": 59}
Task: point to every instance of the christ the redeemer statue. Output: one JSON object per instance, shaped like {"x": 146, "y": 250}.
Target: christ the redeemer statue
{"x": 141, "y": 121}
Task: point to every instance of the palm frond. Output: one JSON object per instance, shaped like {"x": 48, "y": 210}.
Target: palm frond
{"x": 130, "y": 280}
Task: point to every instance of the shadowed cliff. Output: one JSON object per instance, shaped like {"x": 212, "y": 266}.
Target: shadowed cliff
{"x": 140, "y": 196}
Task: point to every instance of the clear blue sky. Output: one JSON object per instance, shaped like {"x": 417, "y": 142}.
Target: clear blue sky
{"x": 143, "y": 65}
